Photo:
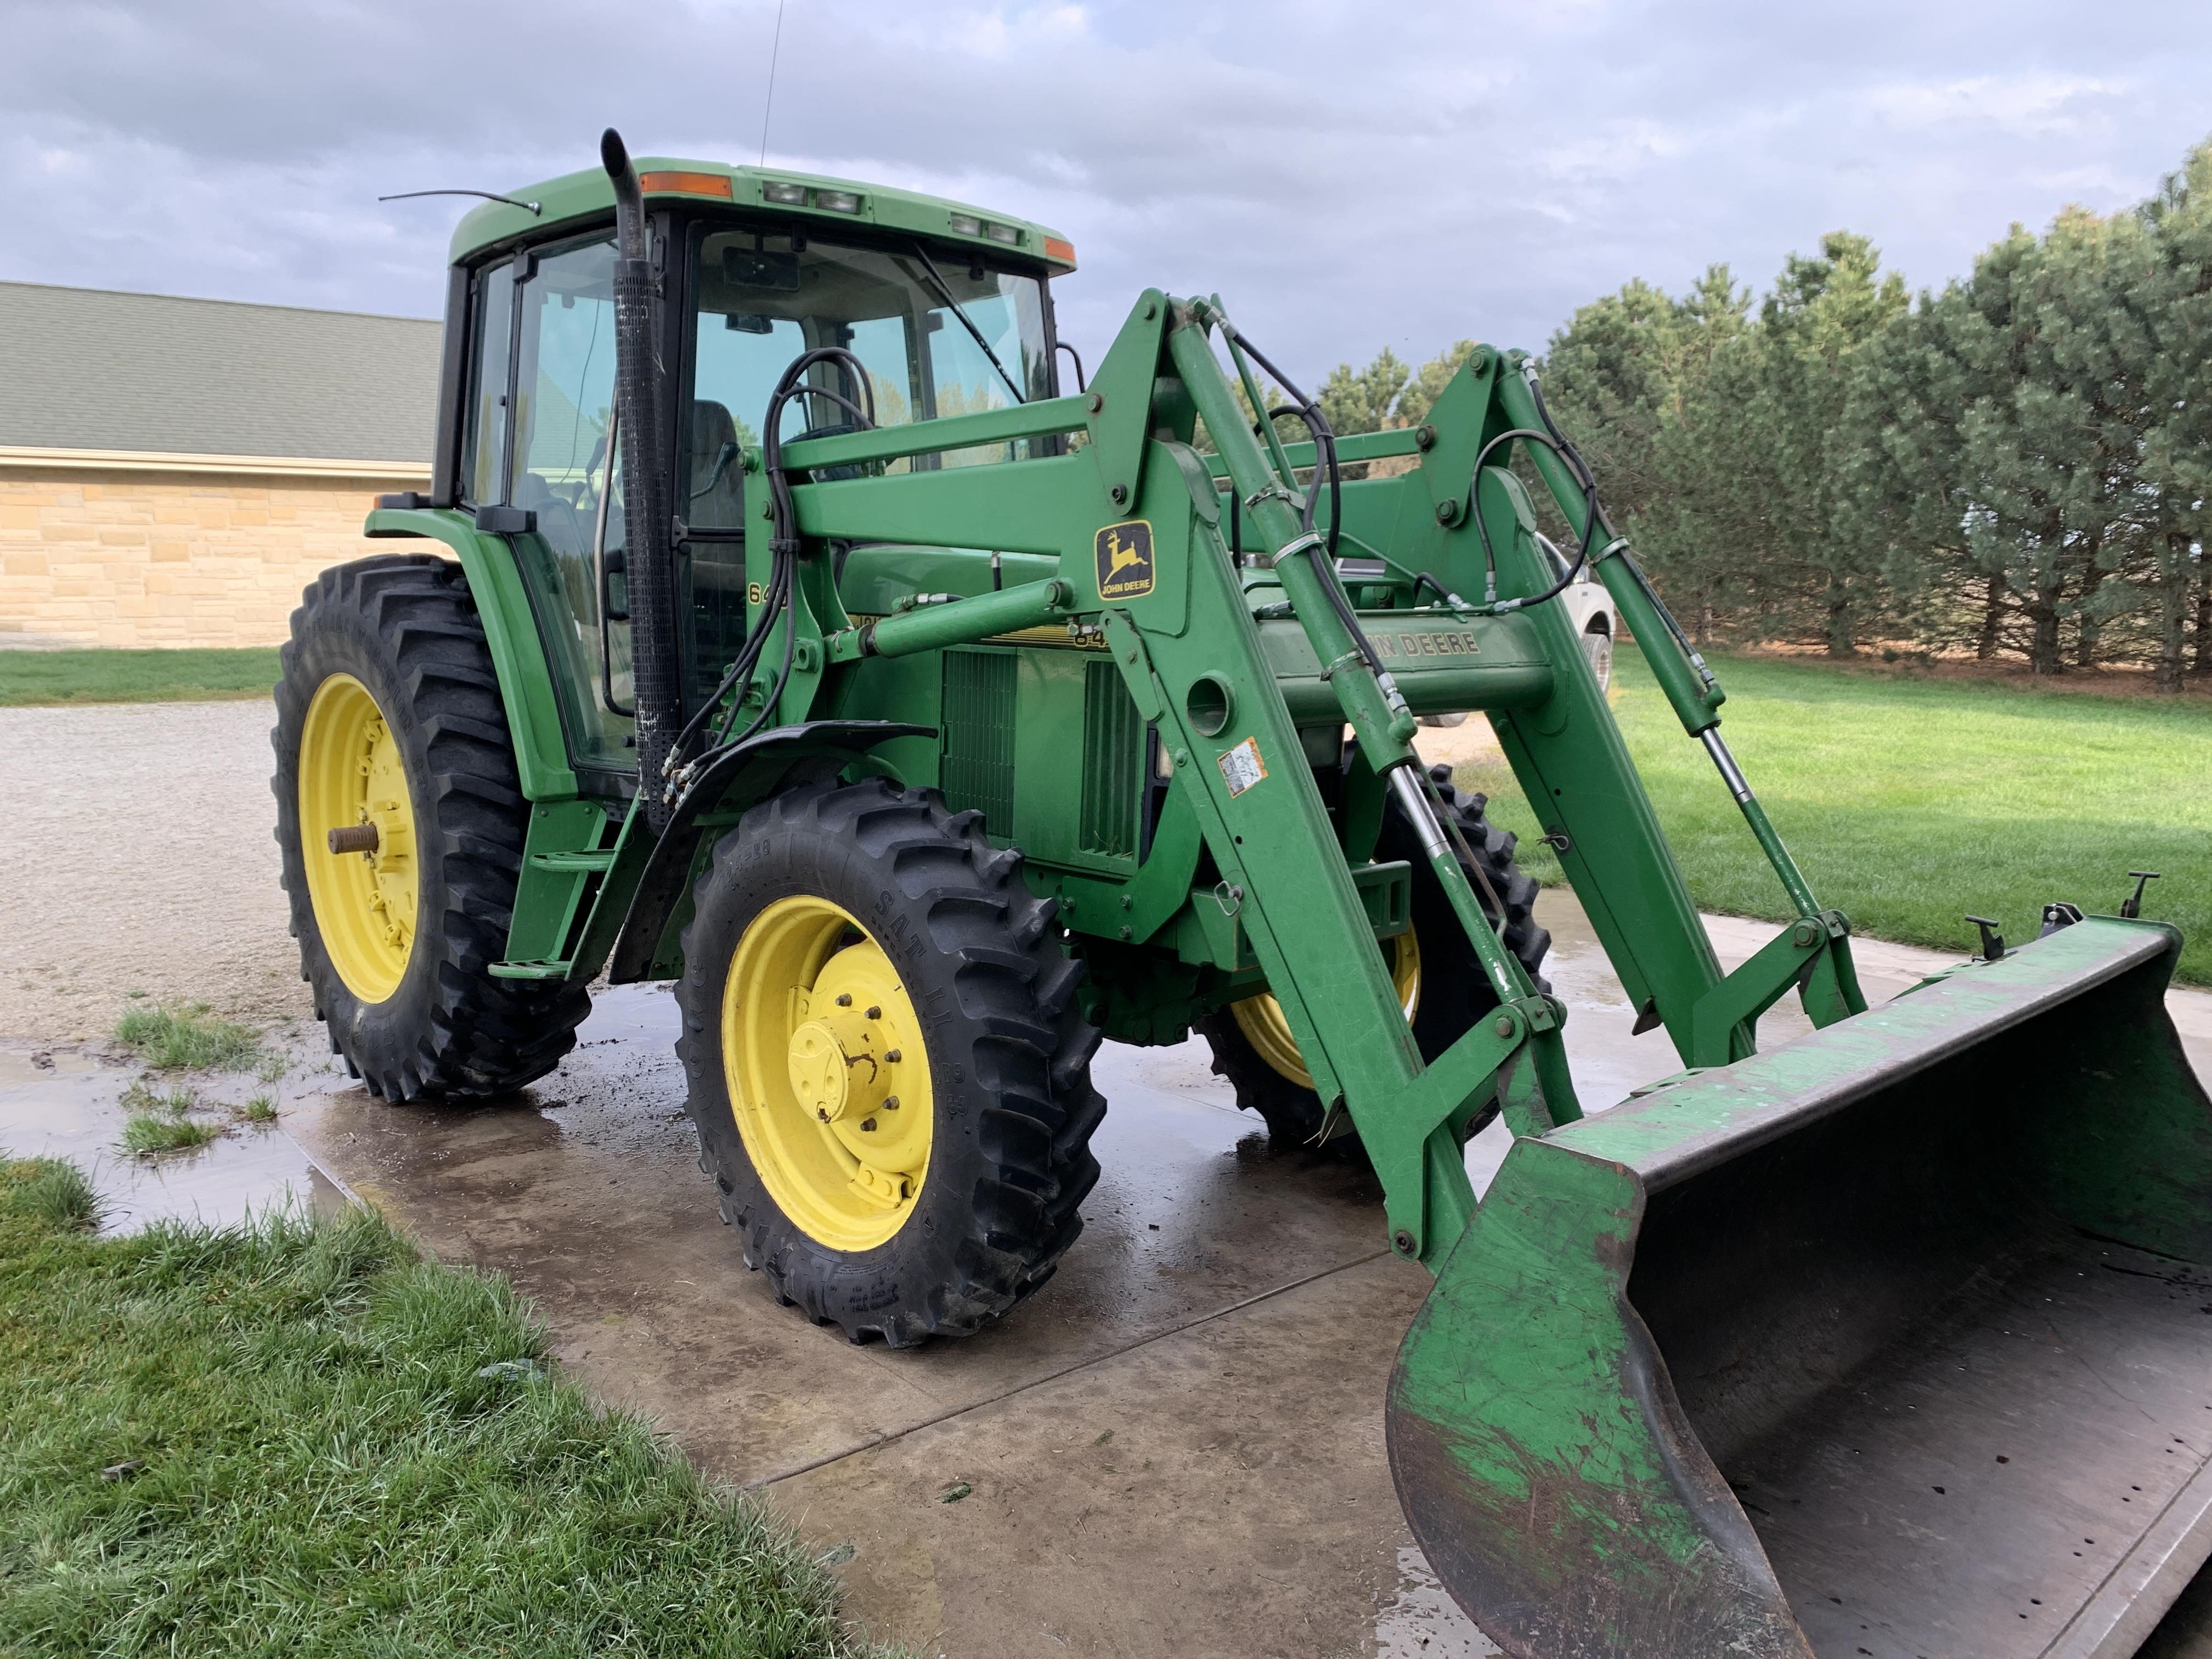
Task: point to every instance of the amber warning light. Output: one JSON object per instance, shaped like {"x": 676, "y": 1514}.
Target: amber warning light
{"x": 686, "y": 184}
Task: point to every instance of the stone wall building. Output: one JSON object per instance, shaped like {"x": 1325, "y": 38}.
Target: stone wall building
{"x": 172, "y": 472}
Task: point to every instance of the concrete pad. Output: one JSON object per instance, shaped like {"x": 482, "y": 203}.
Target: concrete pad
{"x": 585, "y": 1191}
{"x": 1228, "y": 1318}
{"x": 1222, "y": 1489}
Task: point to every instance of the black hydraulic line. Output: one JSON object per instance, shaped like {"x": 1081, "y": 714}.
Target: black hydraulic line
{"x": 967, "y": 322}
{"x": 1565, "y": 449}
{"x": 778, "y": 604}
{"x": 649, "y": 560}
{"x": 1593, "y": 518}
{"x": 1324, "y": 438}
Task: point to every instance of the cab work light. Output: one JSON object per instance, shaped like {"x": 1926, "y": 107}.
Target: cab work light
{"x": 967, "y": 224}
{"x": 1006, "y": 234}
{"x": 784, "y": 192}
{"x": 838, "y": 201}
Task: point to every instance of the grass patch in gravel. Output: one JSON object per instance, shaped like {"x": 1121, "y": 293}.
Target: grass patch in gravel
{"x": 1911, "y": 802}
{"x": 63, "y": 677}
{"x": 146, "y": 1134}
{"x": 297, "y": 1436}
{"x": 186, "y": 1038}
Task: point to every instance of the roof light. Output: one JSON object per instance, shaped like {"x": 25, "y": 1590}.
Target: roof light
{"x": 967, "y": 224}
{"x": 1056, "y": 249}
{"x": 687, "y": 184}
{"x": 838, "y": 201}
{"x": 1006, "y": 234}
{"x": 781, "y": 191}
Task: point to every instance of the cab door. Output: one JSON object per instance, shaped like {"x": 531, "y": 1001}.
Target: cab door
{"x": 540, "y": 419}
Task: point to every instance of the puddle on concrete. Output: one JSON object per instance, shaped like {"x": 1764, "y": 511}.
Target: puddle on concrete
{"x": 63, "y": 1103}
{"x": 1423, "y": 1621}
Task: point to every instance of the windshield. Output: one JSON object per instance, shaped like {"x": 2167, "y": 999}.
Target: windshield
{"x": 763, "y": 298}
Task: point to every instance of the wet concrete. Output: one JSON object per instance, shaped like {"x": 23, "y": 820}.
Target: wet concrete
{"x": 1174, "y": 1447}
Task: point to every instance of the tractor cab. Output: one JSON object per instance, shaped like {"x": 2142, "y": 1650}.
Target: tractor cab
{"x": 945, "y": 310}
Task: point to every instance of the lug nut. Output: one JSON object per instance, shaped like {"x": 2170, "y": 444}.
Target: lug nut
{"x": 891, "y": 1104}
{"x": 892, "y": 1056}
{"x": 844, "y": 999}
{"x": 875, "y": 1013}
{"x": 868, "y": 1124}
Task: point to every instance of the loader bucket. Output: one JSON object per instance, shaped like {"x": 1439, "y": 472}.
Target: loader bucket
{"x": 1896, "y": 1341}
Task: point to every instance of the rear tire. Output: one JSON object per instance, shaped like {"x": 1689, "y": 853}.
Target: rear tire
{"x": 982, "y": 989}
{"x": 422, "y": 1018}
{"x": 1454, "y": 992}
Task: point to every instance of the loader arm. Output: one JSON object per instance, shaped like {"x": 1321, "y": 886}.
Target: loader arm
{"x": 1189, "y": 623}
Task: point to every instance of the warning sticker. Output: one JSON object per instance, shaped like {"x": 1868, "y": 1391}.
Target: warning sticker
{"x": 1242, "y": 767}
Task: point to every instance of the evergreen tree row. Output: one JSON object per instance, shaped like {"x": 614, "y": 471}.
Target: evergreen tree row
{"x": 2018, "y": 467}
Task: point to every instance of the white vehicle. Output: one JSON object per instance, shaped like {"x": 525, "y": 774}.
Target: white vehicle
{"x": 1591, "y": 607}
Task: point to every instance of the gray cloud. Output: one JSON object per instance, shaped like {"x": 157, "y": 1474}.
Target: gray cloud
{"x": 1347, "y": 177}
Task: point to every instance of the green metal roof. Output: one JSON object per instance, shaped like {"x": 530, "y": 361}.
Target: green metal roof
{"x": 590, "y": 195}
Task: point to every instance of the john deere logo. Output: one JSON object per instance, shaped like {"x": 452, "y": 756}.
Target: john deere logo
{"x": 1125, "y": 561}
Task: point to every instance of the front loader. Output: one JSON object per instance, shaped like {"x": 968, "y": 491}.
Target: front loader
{"x": 791, "y": 631}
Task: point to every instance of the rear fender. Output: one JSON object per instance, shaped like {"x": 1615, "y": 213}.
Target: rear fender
{"x": 518, "y": 655}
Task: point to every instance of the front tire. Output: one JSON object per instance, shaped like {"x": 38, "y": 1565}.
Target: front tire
{"x": 1448, "y": 989}
{"x": 389, "y": 718}
{"x": 886, "y": 1065}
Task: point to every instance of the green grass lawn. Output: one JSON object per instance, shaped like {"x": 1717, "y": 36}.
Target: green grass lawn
{"x": 51, "y": 677}
{"x": 298, "y": 1438}
{"x": 1912, "y": 802}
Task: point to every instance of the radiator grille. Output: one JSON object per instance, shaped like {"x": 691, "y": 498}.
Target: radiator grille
{"x": 1112, "y": 762}
{"x": 979, "y": 736}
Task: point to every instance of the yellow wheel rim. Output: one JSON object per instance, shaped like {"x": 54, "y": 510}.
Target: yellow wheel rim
{"x": 827, "y": 1073}
{"x": 1262, "y": 1020}
{"x": 351, "y": 776}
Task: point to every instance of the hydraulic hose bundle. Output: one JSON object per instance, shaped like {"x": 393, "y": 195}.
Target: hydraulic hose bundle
{"x": 718, "y": 713}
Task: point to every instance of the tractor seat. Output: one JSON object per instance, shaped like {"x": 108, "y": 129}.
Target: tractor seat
{"x": 717, "y": 498}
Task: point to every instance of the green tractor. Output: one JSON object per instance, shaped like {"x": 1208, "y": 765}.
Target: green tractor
{"x": 780, "y": 621}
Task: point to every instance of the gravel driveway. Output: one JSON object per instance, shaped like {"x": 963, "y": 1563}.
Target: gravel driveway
{"x": 146, "y": 864}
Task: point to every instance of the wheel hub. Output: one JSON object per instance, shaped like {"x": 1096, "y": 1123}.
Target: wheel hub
{"x": 827, "y": 1073}
{"x": 353, "y": 776}
{"x": 838, "y": 1068}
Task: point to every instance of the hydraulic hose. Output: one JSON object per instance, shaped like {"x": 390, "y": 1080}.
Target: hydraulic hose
{"x": 719, "y": 710}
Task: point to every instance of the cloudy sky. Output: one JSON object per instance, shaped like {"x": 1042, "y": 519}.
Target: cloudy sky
{"x": 1346, "y": 176}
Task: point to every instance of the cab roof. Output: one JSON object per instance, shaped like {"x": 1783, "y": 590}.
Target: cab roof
{"x": 775, "y": 190}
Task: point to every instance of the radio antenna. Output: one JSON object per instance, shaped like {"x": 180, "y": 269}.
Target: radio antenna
{"x": 775, "y": 48}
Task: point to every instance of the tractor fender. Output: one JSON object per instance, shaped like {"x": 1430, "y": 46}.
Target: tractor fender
{"x": 736, "y": 778}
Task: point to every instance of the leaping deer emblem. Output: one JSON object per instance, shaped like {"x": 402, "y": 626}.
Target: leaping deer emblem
{"x": 1121, "y": 555}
